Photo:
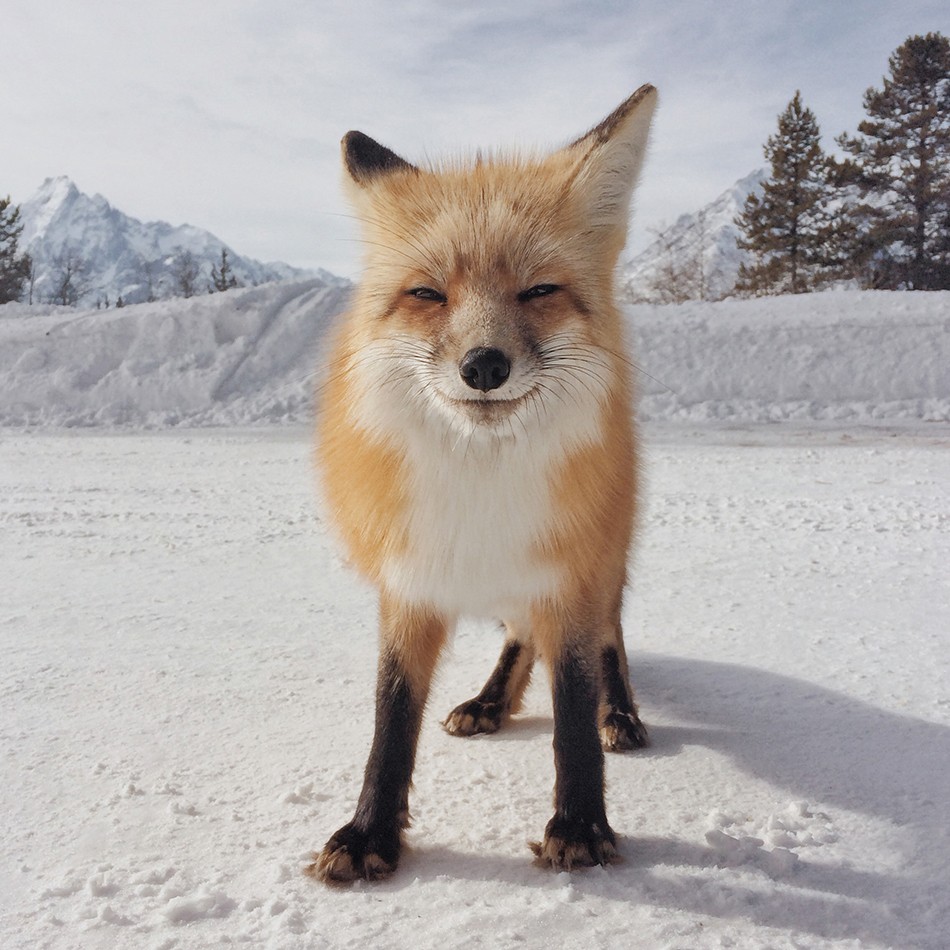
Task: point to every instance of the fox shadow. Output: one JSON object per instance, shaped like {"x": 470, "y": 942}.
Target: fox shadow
{"x": 814, "y": 742}
{"x": 820, "y": 745}
{"x": 810, "y": 743}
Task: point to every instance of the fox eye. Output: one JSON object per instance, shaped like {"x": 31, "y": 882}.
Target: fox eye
{"x": 539, "y": 290}
{"x": 426, "y": 293}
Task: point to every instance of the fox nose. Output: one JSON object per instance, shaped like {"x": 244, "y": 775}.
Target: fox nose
{"x": 484, "y": 368}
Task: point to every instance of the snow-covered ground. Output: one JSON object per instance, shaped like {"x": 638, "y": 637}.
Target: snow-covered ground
{"x": 187, "y": 705}
{"x": 841, "y": 357}
{"x": 187, "y": 677}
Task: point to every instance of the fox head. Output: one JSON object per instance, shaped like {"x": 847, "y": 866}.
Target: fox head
{"x": 487, "y": 297}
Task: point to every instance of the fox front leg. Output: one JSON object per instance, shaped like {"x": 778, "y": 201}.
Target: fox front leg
{"x": 369, "y": 846}
{"x": 578, "y": 835}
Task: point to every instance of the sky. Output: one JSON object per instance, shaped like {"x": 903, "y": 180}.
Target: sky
{"x": 228, "y": 115}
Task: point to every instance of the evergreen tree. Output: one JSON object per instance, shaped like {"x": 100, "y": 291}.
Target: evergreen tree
{"x": 15, "y": 269}
{"x": 789, "y": 229}
{"x": 901, "y": 169}
{"x": 222, "y": 278}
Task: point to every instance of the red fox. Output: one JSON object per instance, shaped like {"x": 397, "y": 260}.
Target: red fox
{"x": 478, "y": 457}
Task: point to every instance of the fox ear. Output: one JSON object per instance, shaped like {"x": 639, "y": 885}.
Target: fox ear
{"x": 609, "y": 158}
{"x": 365, "y": 159}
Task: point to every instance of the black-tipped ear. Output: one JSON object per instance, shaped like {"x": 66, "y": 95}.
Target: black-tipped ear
{"x": 643, "y": 99}
{"x": 366, "y": 159}
{"x": 609, "y": 159}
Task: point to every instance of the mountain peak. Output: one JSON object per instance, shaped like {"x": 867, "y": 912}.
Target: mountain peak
{"x": 697, "y": 253}
{"x": 39, "y": 210}
{"x": 55, "y": 191}
{"x": 57, "y": 181}
{"x": 114, "y": 255}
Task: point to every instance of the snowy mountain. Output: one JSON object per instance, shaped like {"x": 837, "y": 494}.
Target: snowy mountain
{"x": 115, "y": 255}
{"x": 709, "y": 235}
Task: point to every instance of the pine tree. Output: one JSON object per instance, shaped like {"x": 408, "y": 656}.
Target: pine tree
{"x": 789, "y": 229}
{"x": 222, "y": 278}
{"x": 901, "y": 169}
{"x": 15, "y": 269}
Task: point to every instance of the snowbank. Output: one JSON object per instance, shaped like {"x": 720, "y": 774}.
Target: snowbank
{"x": 245, "y": 356}
{"x": 837, "y": 356}
{"x": 249, "y": 356}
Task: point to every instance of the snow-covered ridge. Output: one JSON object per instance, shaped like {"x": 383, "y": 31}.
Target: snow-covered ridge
{"x": 244, "y": 356}
{"x": 249, "y": 356}
{"x": 837, "y": 356}
{"x": 121, "y": 255}
{"x": 708, "y": 235}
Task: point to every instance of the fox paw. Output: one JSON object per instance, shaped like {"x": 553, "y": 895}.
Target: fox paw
{"x": 352, "y": 854}
{"x": 474, "y": 717}
{"x": 572, "y": 843}
{"x": 620, "y": 732}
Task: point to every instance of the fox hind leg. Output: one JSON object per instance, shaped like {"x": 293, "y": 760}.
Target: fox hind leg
{"x": 500, "y": 696}
{"x": 620, "y": 726}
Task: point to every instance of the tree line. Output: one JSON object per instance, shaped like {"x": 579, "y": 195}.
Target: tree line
{"x": 15, "y": 268}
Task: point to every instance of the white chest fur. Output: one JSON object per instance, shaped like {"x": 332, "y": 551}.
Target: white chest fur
{"x": 477, "y": 515}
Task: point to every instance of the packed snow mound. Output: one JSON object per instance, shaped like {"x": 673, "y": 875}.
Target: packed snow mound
{"x": 240, "y": 357}
{"x": 838, "y": 356}
{"x": 251, "y": 356}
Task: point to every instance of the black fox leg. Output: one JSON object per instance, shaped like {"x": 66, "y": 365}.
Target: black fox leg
{"x": 620, "y": 725}
{"x": 368, "y": 847}
{"x": 500, "y": 696}
{"x": 578, "y": 835}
